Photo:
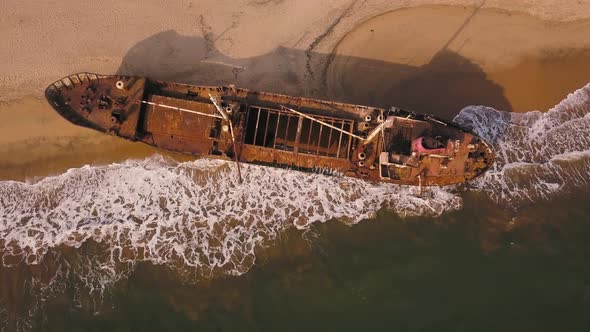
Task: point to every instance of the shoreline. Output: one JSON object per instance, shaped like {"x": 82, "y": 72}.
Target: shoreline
{"x": 40, "y": 143}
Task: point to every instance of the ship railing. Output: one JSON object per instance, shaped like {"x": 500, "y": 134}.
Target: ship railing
{"x": 73, "y": 80}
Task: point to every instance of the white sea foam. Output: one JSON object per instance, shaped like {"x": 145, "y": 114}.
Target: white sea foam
{"x": 538, "y": 155}
{"x": 195, "y": 212}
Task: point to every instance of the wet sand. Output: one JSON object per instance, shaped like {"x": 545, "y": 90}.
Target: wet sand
{"x": 435, "y": 59}
{"x": 451, "y": 57}
{"x": 36, "y": 141}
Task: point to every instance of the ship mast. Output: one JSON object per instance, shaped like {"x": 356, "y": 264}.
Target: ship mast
{"x": 225, "y": 117}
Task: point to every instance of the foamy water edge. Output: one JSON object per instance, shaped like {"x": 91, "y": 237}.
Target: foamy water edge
{"x": 538, "y": 155}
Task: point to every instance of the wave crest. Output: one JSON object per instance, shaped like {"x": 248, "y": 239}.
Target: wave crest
{"x": 194, "y": 212}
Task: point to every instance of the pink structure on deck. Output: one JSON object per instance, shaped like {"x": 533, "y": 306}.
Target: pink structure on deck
{"x": 419, "y": 148}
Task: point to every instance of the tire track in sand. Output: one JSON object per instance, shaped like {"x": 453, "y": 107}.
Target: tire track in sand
{"x": 309, "y": 51}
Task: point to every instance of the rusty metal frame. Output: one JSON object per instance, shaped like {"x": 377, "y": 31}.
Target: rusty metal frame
{"x": 340, "y": 141}
{"x": 266, "y": 128}
{"x": 298, "y": 145}
{"x": 274, "y": 141}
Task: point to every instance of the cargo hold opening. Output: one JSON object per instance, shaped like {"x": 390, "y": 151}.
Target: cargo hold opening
{"x": 277, "y": 129}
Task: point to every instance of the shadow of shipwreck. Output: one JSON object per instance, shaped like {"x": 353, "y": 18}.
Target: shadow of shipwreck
{"x": 441, "y": 87}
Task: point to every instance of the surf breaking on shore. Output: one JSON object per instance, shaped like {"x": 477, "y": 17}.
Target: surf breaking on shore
{"x": 160, "y": 210}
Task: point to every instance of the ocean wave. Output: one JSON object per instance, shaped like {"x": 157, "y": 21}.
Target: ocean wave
{"x": 195, "y": 212}
{"x": 538, "y": 155}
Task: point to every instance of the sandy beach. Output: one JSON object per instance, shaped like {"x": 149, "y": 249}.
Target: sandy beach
{"x": 428, "y": 56}
{"x": 158, "y": 245}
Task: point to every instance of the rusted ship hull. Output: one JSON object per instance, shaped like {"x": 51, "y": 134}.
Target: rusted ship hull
{"x": 390, "y": 145}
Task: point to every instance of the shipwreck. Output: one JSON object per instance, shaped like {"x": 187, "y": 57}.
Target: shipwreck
{"x": 376, "y": 144}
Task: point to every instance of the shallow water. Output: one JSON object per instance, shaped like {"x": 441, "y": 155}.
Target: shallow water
{"x": 157, "y": 244}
